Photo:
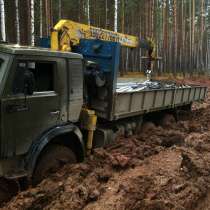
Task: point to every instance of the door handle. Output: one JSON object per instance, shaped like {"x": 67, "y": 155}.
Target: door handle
{"x": 55, "y": 112}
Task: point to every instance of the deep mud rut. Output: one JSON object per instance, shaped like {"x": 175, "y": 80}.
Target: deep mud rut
{"x": 161, "y": 168}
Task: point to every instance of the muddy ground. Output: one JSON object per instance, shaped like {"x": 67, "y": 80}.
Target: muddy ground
{"x": 164, "y": 167}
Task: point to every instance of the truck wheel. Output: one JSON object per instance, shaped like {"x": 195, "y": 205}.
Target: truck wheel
{"x": 52, "y": 159}
{"x": 167, "y": 121}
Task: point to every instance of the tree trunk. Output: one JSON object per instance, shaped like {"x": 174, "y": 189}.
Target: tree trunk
{"x": 193, "y": 32}
{"x": 32, "y": 23}
{"x": 10, "y": 17}
{"x": 41, "y": 17}
{"x": 24, "y": 14}
{"x": 165, "y": 34}
{"x": 3, "y": 30}
{"x": 88, "y": 11}
{"x": 17, "y": 21}
{"x": 116, "y": 16}
{"x": 175, "y": 36}
{"x": 48, "y": 12}
{"x": 202, "y": 14}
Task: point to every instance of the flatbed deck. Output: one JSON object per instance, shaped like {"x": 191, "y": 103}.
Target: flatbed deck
{"x": 130, "y": 103}
{"x": 137, "y": 97}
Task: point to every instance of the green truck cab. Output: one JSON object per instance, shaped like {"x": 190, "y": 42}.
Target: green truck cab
{"x": 40, "y": 105}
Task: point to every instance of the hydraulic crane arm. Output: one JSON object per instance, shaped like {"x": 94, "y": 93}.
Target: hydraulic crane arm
{"x": 67, "y": 33}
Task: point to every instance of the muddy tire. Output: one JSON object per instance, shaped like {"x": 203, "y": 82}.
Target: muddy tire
{"x": 8, "y": 189}
{"x": 147, "y": 127}
{"x": 51, "y": 160}
{"x": 168, "y": 120}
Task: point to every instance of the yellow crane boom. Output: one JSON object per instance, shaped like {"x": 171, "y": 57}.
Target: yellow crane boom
{"x": 67, "y": 33}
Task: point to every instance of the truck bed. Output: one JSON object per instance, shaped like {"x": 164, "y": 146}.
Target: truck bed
{"x": 133, "y": 97}
{"x": 130, "y": 103}
{"x": 115, "y": 101}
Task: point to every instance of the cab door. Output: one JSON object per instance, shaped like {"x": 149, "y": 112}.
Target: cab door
{"x": 26, "y": 117}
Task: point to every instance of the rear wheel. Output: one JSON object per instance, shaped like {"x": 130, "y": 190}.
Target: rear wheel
{"x": 52, "y": 159}
{"x": 168, "y": 120}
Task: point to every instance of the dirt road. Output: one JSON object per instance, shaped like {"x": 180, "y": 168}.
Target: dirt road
{"x": 162, "y": 168}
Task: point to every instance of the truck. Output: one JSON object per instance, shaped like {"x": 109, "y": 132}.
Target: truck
{"x": 57, "y": 105}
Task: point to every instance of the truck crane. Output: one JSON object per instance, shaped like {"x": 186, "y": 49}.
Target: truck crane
{"x": 67, "y": 34}
{"x": 58, "y": 104}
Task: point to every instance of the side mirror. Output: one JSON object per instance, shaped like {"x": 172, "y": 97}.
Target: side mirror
{"x": 29, "y": 83}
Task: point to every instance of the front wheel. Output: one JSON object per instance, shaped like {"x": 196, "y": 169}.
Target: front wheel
{"x": 52, "y": 159}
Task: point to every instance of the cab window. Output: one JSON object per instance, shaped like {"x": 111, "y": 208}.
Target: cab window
{"x": 42, "y": 72}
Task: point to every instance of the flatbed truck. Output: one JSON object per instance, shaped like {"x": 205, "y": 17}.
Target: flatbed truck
{"x": 56, "y": 106}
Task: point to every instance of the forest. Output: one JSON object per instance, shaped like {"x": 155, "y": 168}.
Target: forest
{"x": 180, "y": 28}
{"x": 80, "y": 129}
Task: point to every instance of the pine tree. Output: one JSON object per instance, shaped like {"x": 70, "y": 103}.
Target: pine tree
{"x": 24, "y": 17}
{"x": 10, "y": 21}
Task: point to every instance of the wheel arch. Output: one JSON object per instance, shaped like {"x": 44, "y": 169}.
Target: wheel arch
{"x": 68, "y": 135}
